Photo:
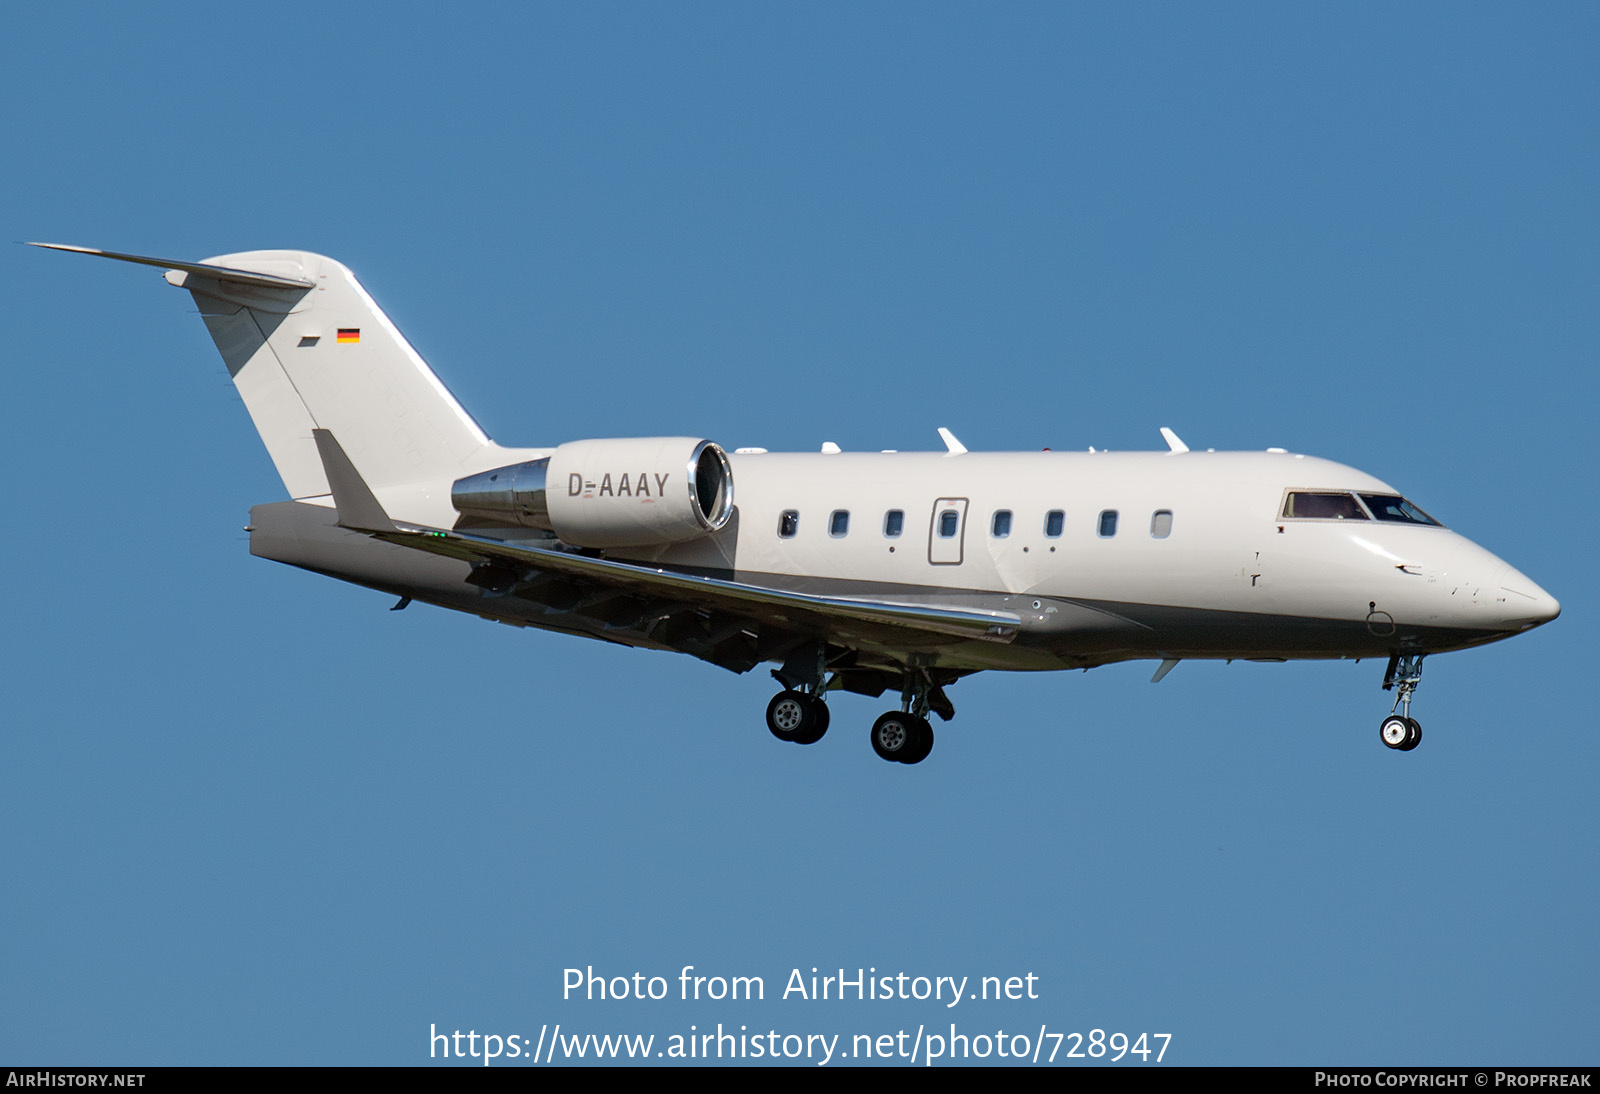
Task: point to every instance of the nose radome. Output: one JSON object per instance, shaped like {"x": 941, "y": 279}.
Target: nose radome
{"x": 1525, "y": 602}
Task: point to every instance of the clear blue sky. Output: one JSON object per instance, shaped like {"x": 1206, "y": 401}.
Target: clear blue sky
{"x": 248, "y": 815}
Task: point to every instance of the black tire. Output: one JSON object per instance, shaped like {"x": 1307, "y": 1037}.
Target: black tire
{"x": 819, "y": 726}
{"x": 921, "y": 745}
{"x": 894, "y": 735}
{"x": 791, "y": 715}
{"x": 1415, "y": 737}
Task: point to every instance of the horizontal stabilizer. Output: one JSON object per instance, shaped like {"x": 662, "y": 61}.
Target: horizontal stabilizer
{"x": 358, "y": 509}
{"x": 221, "y": 273}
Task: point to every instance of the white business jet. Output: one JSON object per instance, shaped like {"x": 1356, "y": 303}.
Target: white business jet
{"x": 861, "y": 572}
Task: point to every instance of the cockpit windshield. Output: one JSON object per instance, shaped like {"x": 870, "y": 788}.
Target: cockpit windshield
{"x": 1342, "y": 505}
{"x": 1394, "y": 508}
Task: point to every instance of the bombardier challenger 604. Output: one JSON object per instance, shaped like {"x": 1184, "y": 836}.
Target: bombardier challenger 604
{"x": 858, "y": 572}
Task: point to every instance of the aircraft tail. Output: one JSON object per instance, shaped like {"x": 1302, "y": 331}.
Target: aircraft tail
{"x": 308, "y": 349}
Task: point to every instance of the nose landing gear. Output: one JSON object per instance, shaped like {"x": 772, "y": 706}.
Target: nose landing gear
{"x": 1402, "y": 732}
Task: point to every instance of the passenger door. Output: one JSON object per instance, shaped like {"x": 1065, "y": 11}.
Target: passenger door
{"x": 946, "y": 530}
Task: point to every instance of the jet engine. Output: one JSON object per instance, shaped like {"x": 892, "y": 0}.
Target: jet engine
{"x": 636, "y": 492}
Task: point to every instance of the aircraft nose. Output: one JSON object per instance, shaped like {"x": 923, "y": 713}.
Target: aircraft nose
{"x": 1524, "y": 603}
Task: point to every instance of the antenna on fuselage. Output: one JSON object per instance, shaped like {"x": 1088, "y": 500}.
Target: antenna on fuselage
{"x": 955, "y": 447}
{"x": 1174, "y": 442}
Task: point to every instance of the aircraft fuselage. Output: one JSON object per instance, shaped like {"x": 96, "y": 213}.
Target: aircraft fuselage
{"x": 1104, "y": 556}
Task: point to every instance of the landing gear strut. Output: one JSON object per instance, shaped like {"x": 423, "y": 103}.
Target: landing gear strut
{"x": 904, "y": 735}
{"x": 1400, "y": 731}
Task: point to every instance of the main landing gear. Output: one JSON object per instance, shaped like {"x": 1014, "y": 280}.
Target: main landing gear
{"x": 904, "y": 735}
{"x": 799, "y": 714}
{"x": 1400, "y": 731}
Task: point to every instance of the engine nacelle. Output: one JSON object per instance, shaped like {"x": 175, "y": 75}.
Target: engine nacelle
{"x": 637, "y": 492}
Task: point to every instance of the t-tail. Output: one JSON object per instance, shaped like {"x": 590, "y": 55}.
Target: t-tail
{"x": 309, "y": 350}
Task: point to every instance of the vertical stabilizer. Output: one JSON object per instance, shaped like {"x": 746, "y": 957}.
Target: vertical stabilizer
{"x": 328, "y": 358}
{"x": 308, "y": 349}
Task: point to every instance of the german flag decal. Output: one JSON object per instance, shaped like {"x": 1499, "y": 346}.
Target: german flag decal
{"x": 349, "y": 335}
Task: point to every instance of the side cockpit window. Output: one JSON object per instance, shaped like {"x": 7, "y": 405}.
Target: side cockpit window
{"x": 1392, "y": 507}
{"x": 1321, "y": 505}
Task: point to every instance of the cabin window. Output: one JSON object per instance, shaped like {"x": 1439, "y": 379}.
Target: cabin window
{"x": 788, "y": 523}
{"x": 1161, "y": 523}
{"x": 1108, "y": 524}
{"x": 1307, "y": 505}
{"x": 839, "y": 523}
{"x": 1000, "y": 526}
{"x": 1054, "y": 521}
{"x": 894, "y": 522}
{"x": 1394, "y": 508}
{"x": 948, "y": 521}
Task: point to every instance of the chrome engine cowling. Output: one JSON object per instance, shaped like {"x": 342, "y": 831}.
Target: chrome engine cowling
{"x": 635, "y": 492}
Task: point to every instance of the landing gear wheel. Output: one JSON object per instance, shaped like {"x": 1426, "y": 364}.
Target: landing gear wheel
{"x": 902, "y": 738}
{"x": 1400, "y": 733}
{"x": 791, "y": 715}
{"x": 1416, "y": 735}
{"x": 893, "y": 735}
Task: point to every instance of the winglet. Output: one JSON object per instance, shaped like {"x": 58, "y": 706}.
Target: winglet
{"x": 956, "y": 447}
{"x": 358, "y": 509}
{"x": 1173, "y": 441}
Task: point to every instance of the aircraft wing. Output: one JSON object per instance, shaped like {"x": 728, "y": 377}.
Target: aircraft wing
{"x": 511, "y": 564}
{"x": 710, "y": 591}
